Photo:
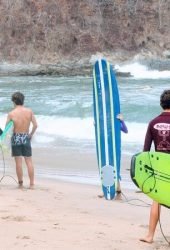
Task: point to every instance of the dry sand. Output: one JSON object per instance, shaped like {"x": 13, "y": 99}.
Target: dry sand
{"x": 64, "y": 215}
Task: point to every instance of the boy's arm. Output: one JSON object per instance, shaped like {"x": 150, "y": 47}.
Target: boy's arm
{"x": 34, "y": 127}
{"x": 123, "y": 127}
{"x": 8, "y": 119}
{"x": 148, "y": 140}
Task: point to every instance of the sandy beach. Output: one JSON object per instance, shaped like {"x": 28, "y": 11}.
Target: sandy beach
{"x": 65, "y": 215}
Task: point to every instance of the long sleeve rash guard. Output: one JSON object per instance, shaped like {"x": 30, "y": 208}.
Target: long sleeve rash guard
{"x": 158, "y": 132}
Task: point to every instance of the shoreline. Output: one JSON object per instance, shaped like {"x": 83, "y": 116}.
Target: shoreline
{"x": 69, "y": 165}
{"x": 81, "y": 68}
{"x": 58, "y": 70}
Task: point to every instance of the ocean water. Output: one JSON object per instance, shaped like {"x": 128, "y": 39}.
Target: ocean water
{"x": 64, "y": 107}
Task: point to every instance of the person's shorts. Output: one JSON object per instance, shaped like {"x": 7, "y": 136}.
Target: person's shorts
{"x": 21, "y": 145}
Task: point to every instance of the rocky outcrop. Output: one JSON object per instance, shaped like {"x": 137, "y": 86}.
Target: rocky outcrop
{"x": 66, "y": 32}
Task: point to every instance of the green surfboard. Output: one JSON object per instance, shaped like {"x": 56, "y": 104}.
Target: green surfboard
{"x": 5, "y": 138}
{"x": 150, "y": 172}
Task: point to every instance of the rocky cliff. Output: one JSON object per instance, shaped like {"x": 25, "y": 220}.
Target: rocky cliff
{"x": 52, "y": 31}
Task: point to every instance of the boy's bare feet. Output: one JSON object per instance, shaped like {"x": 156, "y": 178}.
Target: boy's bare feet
{"x": 100, "y": 195}
{"x": 147, "y": 239}
{"x": 118, "y": 195}
{"x": 31, "y": 186}
{"x": 20, "y": 184}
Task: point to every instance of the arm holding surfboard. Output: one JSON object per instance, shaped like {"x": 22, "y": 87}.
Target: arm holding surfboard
{"x": 123, "y": 126}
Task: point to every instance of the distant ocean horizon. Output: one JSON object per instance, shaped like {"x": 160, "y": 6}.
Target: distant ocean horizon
{"x": 64, "y": 106}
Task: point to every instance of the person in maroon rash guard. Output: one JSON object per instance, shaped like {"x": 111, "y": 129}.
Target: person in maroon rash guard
{"x": 158, "y": 132}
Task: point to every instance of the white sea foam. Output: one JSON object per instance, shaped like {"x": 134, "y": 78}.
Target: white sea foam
{"x": 3, "y": 118}
{"x": 140, "y": 71}
{"x": 136, "y": 133}
{"x": 77, "y": 128}
{"x": 73, "y": 128}
{"x": 80, "y": 131}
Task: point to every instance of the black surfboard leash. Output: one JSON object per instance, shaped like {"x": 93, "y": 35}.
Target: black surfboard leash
{"x": 159, "y": 219}
{"x": 4, "y": 167}
{"x": 135, "y": 199}
{"x": 160, "y": 225}
{"x": 142, "y": 190}
{"x": 151, "y": 175}
{"x": 145, "y": 205}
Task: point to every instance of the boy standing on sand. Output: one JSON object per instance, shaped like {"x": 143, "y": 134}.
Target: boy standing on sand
{"x": 22, "y": 118}
{"x": 158, "y": 132}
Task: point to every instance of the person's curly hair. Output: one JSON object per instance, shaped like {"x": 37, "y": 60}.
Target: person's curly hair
{"x": 18, "y": 98}
{"x": 165, "y": 99}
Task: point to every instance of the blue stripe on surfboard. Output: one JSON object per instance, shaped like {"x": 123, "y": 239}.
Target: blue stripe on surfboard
{"x": 116, "y": 102}
{"x": 108, "y": 112}
{"x": 96, "y": 117}
{"x": 109, "y": 193}
{"x": 113, "y": 115}
{"x": 96, "y": 135}
{"x": 102, "y": 72}
{"x": 97, "y": 122}
{"x": 106, "y": 170}
{"x": 100, "y": 103}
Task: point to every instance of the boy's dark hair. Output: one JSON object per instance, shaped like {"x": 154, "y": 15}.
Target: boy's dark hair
{"x": 18, "y": 98}
{"x": 165, "y": 99}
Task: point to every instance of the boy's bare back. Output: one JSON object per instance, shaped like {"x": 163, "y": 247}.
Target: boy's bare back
{"x": 22, "y": 118}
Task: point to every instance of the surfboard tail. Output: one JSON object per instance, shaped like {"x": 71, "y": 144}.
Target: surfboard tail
{"x": 109, "y": 192}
